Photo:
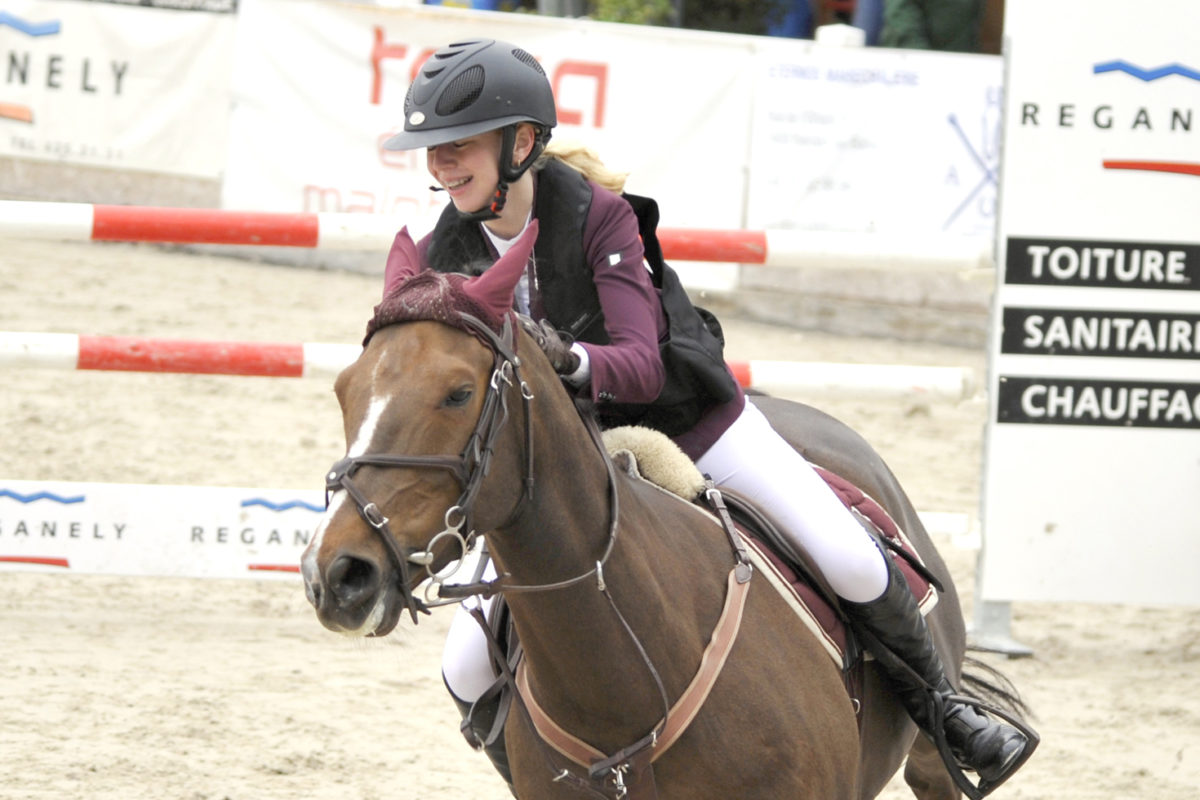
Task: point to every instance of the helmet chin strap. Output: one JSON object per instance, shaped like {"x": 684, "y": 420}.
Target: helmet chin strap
{"x": 492, "y": 209}
{"x": 509, "y": 172}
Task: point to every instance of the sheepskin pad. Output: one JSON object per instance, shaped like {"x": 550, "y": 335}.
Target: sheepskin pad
{"x": 657, "y": 459}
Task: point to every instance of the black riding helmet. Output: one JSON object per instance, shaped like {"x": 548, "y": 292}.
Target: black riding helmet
{"x": 468, "y": 88}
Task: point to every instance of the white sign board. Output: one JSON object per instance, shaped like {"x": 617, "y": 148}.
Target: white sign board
{"x": 867, "y": 140}
{"x": 725, "y": 131}
{"x": 1092, "y": 465}
{"x": 126, "y": 87}
{"x": 178, "y": 531}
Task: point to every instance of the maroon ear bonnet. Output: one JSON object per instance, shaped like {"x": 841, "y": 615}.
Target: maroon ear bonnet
{"x": 412, "y": 293}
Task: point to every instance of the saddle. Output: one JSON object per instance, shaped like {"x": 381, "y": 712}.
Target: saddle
{"x": 791, "y": 568}
{"x": 650, "y": 456}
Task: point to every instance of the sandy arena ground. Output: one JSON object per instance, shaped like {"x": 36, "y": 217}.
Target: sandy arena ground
{"x": 149, "y": 689}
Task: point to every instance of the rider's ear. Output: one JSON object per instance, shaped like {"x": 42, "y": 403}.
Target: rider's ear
{"x": 523, "y": 145}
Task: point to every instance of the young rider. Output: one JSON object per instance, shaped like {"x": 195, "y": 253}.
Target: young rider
{"x": 484, "y": 112}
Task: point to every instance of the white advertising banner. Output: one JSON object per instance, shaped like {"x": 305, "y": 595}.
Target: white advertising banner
{"x": 129, "y": 87}
{"x": 321, "y": 86}
{"x": 725, "y": 131}
{"x": 176, "y": 531}
{"x": 867, "y": 140}
{"x": 1092, "y": 465}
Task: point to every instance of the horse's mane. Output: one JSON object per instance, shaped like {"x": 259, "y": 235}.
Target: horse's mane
{"x": 430, "y": 295}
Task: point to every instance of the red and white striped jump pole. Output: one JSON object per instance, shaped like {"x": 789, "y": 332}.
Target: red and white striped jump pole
{"x": 374, "y": 232}
{"x": 103, "y": 223}
{"x": 136, "y": 354}
{"x": 280, "y": 360}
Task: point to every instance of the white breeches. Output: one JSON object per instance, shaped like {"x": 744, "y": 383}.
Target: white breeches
{"x": 751, "y": 458}
{"x": 754, "y": 460}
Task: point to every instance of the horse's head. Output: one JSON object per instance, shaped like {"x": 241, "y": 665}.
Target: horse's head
{"x": 424, "y": 409}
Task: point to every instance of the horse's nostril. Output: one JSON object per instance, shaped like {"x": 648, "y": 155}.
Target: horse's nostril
{"x": 352, "y": 579}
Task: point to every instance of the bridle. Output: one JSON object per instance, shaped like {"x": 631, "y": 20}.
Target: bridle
{"x": 469, "y": 468}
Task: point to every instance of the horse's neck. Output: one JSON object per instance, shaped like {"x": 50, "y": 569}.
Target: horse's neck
{"x": 564, "y": 527}
{"x": 583, "y": 662}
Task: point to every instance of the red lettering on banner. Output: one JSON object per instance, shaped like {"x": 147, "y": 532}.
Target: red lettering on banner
{"x": 366, "y": 206}
{"x": 584, "y": 69}
{"x": 320, "y": 199}
{"x": 379, "y": 52}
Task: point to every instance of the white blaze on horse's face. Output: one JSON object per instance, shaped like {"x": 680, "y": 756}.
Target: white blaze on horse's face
{"x": 366, "y": 431}
{"x": 362, "y": 440}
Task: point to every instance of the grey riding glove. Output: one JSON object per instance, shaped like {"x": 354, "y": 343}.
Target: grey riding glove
{"x": 556, "y": 347}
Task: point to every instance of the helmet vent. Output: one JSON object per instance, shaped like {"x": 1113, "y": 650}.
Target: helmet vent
{"x": 461, "y": 92}
{"x": 457, "y": 48}
{"x": 528, "y": 60}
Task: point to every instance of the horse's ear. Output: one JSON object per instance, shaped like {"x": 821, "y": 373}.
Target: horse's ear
{"x": 402, "y": 262}
{"x": 494, "y": 288}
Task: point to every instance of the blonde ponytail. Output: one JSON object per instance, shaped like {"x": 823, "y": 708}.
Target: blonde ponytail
{"x": 585, "y": 161}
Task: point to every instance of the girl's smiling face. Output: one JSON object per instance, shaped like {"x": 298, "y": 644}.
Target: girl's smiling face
{"x": 468, "y": 169}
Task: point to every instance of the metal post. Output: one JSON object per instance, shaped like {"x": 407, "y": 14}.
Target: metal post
{"x": 991, "y": 626}
{"x": 991, "y": 630}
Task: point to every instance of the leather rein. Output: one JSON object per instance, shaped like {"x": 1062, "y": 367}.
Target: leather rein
{"x": 606, "y": 775}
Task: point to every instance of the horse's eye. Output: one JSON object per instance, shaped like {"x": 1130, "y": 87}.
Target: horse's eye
{"x": 458, "y": 397}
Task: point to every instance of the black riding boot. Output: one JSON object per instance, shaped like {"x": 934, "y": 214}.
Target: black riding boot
{"x": 991, "y": 749}
{"x": 480, "y": 724}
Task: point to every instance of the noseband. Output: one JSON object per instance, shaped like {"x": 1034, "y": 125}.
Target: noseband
{"x": 469, "y": 468}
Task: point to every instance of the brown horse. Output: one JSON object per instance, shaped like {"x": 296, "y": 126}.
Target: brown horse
{"x": 456, "y": 423}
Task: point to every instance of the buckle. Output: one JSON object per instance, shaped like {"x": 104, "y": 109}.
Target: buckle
{"x": 374, "y": 516}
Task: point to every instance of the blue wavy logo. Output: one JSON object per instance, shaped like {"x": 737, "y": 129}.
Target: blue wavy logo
{"x": 33, "y": 498}
{"x": 1146, "y": 75}
{"x": 16, "y": 111}
{"x": 258, "y": 501}
{"x": 30, "y": 28}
